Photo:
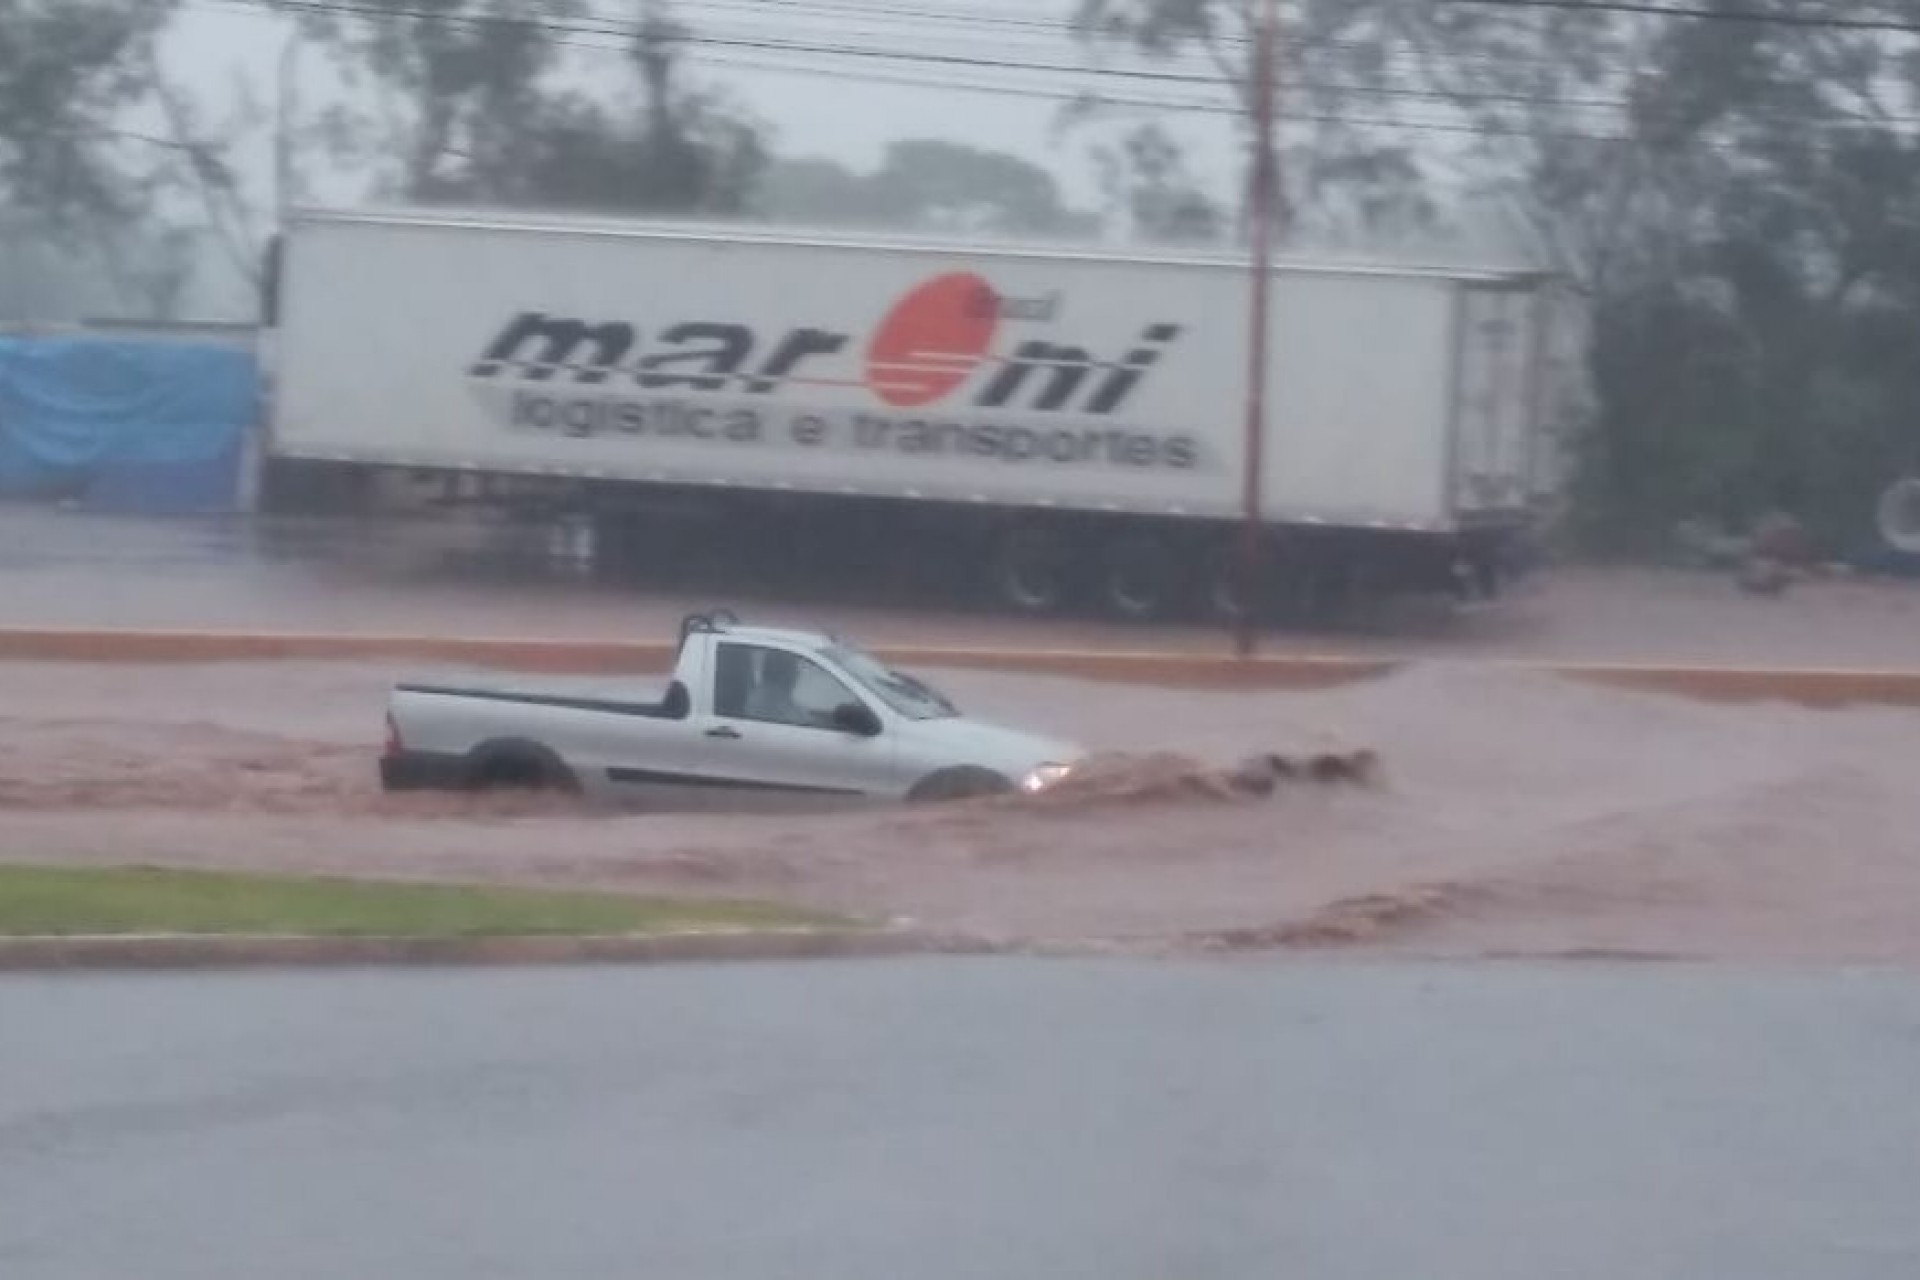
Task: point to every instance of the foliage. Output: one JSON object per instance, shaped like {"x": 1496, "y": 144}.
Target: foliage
{"x": 473, "y": 92}
{"x": 67, "y": 69}
{"x": 926, "y": 184}
{"x": 1147, "y": 180}
{"x": 1740, "y": 202}
{"x": 97, "y": 209}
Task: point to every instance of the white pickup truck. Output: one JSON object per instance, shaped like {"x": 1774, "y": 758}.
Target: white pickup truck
{"x": 751, "y": 714}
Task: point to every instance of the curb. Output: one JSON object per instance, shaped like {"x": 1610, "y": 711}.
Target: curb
{"x": 1807, "y": 686}
{"x": 1820, "y": 687}
{"x": 230, "y": 952}
{"x": 597, "y": 657}
{"x": 584, "y": 657}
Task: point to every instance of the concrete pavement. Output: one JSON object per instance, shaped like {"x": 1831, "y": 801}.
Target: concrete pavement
{"x": 948, "y": 1118}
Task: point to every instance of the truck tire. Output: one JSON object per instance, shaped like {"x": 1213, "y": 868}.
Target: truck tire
{"x": 1222, "y": 588}
{"x": 1140, "y": 580}
{"x": 513, "y": 765}
{"x": 967, "y": 782}
{"x": 1032, "y": 570}
{"x": 1291, "y": 589}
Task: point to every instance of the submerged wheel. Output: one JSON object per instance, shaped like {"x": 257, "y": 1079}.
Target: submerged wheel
{"x": 965, "y": 783}
{"x": 519, "y": 766}
{"x": 1032, "y": 570}
{"x": 1139, "y": 578}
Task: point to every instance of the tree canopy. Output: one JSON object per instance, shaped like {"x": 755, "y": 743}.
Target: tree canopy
{"x": 1739, "y": 200}
{"x": 927, "y": 184}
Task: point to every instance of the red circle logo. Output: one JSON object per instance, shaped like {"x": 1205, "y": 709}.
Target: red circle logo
{"x": 932, "y": 340}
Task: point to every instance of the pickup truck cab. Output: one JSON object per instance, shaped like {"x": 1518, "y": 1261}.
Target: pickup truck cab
{"x": 751, "y": 715}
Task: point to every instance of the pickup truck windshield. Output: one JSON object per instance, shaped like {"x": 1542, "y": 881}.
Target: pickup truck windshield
{"x": 910, "y": 697}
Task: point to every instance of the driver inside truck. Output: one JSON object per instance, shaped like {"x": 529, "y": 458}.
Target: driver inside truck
{"x": 772, "y": 697}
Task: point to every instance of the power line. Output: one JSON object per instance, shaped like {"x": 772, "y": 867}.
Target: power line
{"x": 627, "y": 32}
{"x": 993, "y": 25}
{"x": 577, "y": 27}
{"x": 1766, "y": 17}
{"x": 1216, "y": 79}
{"x": 762, "y": 44}
{"x": 1001, "y": 21}
{"x": 1027, "y": 91}
{"x": 1164, "y": 104}
{"x": 614, "y": 28}
{"x": 1206, "y": 79}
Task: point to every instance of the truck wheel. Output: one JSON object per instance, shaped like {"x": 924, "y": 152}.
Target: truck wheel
{"x": 968, "y": 782}
{"x": 519, "y": 766}
{"x": 1289, "y": 590}
{"x": 1139, "y": 581}
{"x": 1222, "y": 586}
{"x": 1032, "y": 570}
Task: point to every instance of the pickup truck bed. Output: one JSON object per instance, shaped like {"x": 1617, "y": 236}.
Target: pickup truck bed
{"x": 672, "y": 704}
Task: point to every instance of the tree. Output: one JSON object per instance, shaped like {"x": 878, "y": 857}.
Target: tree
{"x": 120, "y": 214}
{"x": 453, "y": 80}
{"x": 1738, "y": 199}
{"x": 929, "y": 185}
{"x": 68, "y": 68}
{"x": 1148, "y": 183}
{"x": 469, "y": 87}
{"x": 1763, "y": 367}
{"x": 816, "y": 192}
{"x": 1343, "y": 156}
{"x": 953, "y": 187}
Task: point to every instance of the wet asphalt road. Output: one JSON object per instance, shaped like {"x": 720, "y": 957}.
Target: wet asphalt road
{"x": 944, "y": 1119}
{"x": 453, "y": 576}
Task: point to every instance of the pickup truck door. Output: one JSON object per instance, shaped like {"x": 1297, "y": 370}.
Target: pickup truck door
{"x": 790, "y": 755}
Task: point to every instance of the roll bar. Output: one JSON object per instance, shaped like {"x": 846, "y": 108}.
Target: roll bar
{"x": 712, "y": 622}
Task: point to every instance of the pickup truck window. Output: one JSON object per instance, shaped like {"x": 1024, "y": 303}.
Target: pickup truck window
{"x": 912, "y": 698}
{"x": 776, "y": 687}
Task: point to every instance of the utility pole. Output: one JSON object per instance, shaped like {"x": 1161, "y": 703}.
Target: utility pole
{"x": 1261, "y": 203}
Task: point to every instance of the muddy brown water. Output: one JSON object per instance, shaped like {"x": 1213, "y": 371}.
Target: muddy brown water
{"x": 1514, "y": 813}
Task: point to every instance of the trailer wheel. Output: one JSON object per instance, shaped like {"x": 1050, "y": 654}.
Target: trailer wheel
{"x": 1139, "y": 579}
{"x": 1291, "y": 590}
{"x": 1032, "y": 570}
{"x": 1222, "y": 586}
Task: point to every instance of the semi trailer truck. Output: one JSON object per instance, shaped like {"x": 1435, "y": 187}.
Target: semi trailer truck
{"x": 1056, "y": 426}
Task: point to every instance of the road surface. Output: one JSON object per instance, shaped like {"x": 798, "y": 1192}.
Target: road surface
{"x": 954, "y": 1120}
{"x": 60, "y": 568}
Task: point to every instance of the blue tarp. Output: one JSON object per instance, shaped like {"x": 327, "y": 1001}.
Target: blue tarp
{"x": 125, "y": 426}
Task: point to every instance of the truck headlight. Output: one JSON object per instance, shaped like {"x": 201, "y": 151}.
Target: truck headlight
{"x": 1043, "y": 777}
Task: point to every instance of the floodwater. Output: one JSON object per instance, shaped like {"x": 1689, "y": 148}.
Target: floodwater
{"x": 949, "y": 1120}
{"x": 1514, "y": 813}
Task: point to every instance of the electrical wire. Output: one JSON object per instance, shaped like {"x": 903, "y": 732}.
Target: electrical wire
{"x": 578, "y": 27}
{"x": 1163, "y": 104}
{"x": 1208, "y": 80}
{"x": 1765, "y": 17}
{"x": 557, "y": 30}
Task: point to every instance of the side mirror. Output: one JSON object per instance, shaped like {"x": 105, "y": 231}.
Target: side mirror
{"x": 856, "y": 718}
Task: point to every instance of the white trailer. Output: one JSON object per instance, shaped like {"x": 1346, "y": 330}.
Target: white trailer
{"x": 1069, "y": 422}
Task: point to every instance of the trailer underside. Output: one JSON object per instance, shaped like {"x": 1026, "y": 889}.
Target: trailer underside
{"x": 1028, "y": 560}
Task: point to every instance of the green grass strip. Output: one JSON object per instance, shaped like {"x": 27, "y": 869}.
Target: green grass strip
{"x": 62, "y": 902}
